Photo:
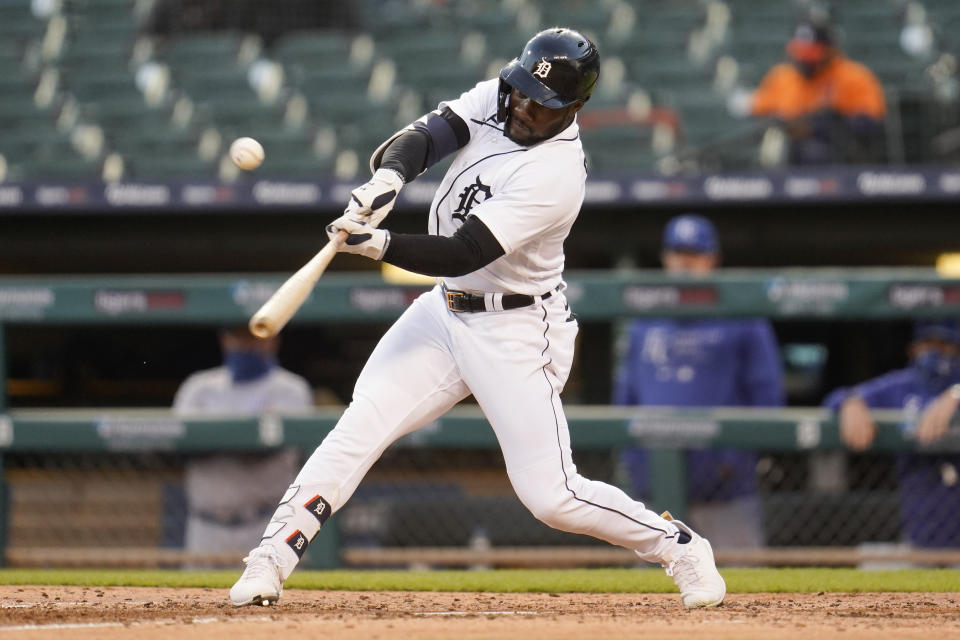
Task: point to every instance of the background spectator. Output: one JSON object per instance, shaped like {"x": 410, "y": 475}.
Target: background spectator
{"x": 231, "y": 497}
{"x": 927, "y": 391}
{"x": 832, "y": 107}
{"x": 702, "y": 363}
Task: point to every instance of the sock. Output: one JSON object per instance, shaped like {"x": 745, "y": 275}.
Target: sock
{"x": 297, "y": 521}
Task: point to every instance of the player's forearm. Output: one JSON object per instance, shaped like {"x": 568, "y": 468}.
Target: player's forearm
{"x": 472, "y": 247}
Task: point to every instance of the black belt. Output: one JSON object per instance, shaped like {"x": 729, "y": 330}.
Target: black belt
{"x": 463, "y": 302}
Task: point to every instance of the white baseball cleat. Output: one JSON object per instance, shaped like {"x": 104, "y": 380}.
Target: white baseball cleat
{"x": 261, "y": 582}
{"x": 695, "y": 572}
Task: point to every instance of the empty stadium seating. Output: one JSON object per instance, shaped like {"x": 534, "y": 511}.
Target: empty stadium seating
{"x": 84, "y": 63}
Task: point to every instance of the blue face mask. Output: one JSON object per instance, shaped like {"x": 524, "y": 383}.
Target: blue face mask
{"x": 935, "y": 369}
{"x": 245, "y": 366}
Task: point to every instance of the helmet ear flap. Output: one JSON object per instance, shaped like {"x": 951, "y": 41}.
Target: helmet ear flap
{"x": 503, "y": 97}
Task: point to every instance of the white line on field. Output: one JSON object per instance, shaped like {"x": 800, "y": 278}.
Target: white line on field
{"x": 102, "y": 625}
{"x": 58, "y": 603}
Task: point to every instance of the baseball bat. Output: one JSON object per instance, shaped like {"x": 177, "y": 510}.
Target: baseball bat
{"x": 277, "y": 311}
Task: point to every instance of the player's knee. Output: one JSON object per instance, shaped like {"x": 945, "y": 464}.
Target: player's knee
{"x": 554, "y": 511}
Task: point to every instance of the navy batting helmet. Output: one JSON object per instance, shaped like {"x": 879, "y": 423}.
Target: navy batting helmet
{"x": 558, "y": 67}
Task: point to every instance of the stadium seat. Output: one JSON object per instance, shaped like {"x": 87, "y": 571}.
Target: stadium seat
{"x": 210, "y": 50}
{"x": 17, "y": 21}
{"x": 56, "y": 160}
{"x": 590, "y": 17}
{"x": 295, "y": 162}
{"x": 399, "y": 19}
{"x": 432, "y": 50}
{"x": 96, "y": 87}
{"x": 313, "y": 48}
{"x": 667, "y": 74}
{"x": 440, "y": 84}
{"x": 703, "y": 115}
{"x": 20, "y": 144}
{"x": 132, "y": 126}
{"x": 17, "y": 106}
{"x": 620, "y": 147}
{"x": 114, "y": 15}
{"x": 200, "y": 83}
{"x": 162, "y": 141}
{"x": 235, "y": 110}
{"x": 327, "y": 106}
{"x": 174, "y": 166}
{"x": 343, "y": 79}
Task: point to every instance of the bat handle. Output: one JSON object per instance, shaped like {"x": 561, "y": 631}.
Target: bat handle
{"x": 338, "y": 241}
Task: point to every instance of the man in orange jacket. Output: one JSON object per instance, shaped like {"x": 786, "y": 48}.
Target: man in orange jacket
{"x": 832, "y": 107}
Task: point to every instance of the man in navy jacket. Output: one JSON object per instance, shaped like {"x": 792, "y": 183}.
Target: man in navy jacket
{"x": 704, "y": 363}
{"x": 928, "y": 392}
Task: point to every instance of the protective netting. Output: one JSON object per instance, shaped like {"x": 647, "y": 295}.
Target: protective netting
{"x": 133, "y": 508}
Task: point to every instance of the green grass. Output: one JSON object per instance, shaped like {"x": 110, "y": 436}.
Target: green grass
{"x": 557, "y": 581}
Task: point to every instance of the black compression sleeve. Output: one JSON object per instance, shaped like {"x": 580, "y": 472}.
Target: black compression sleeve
{"x": 407, "y": 155}
{"x": 473, "y": 246}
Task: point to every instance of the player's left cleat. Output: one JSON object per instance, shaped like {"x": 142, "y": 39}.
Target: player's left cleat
{"x": 261, "y": 582}
{"x": 695, "y": 572}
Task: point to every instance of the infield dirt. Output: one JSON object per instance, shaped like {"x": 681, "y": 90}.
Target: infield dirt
{"x": 150, "y": 613}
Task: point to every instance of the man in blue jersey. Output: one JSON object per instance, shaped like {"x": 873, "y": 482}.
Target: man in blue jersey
{"x": 928, "y": 392}
{"x": 704, "y": 363}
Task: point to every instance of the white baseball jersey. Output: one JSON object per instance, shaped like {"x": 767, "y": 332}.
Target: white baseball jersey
{"x": 213, "y": 392}
{"x": 528, "y": 197}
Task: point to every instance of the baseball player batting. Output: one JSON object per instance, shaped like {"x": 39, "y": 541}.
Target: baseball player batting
{"x": 497, "y": 324}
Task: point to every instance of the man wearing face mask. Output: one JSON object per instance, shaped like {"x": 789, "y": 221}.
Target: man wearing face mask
{"x": 927, "y": 391}
{"x": 228, "y": 496}
{"x": 832, "y": 107}
{"x": 699, "y": 362}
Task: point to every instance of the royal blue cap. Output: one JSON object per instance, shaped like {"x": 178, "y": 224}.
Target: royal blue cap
{"x": 690, "y": 232}
{"x": 945, "y": 330}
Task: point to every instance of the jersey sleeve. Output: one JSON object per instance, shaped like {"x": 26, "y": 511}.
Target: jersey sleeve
{"x": 475, "y": 106}
{"x": 535, "y": 197}
{"x": 472, "y": 107}
{"x": 187, "y": 399}
{"x": 883, "y": 392}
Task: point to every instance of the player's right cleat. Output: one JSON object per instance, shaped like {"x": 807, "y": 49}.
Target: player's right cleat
{"x": 261, "y": 582}
{"x": 695, "y": 572}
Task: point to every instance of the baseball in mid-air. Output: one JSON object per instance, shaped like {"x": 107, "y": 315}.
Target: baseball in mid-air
{"x": 246, "y": 153}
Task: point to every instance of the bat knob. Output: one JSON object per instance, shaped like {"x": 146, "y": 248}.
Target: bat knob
{"x": 260, "y": 328}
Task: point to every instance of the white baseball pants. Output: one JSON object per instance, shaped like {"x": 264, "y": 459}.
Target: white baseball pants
{"x": 515, "y": 363}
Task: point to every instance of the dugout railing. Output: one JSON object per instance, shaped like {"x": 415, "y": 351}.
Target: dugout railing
{"x": 818, "y": 294}
{"x": 665, "y": 432}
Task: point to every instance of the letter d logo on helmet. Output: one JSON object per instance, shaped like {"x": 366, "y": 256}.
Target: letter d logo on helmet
{"x": 558, "y": 67}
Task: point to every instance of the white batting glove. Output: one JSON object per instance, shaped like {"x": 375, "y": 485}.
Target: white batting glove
{"x": 364, "y": 238}
{"x": 374, "y": 200}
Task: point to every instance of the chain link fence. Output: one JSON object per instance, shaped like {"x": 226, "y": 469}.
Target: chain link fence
{"x": 455, "y": 507}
